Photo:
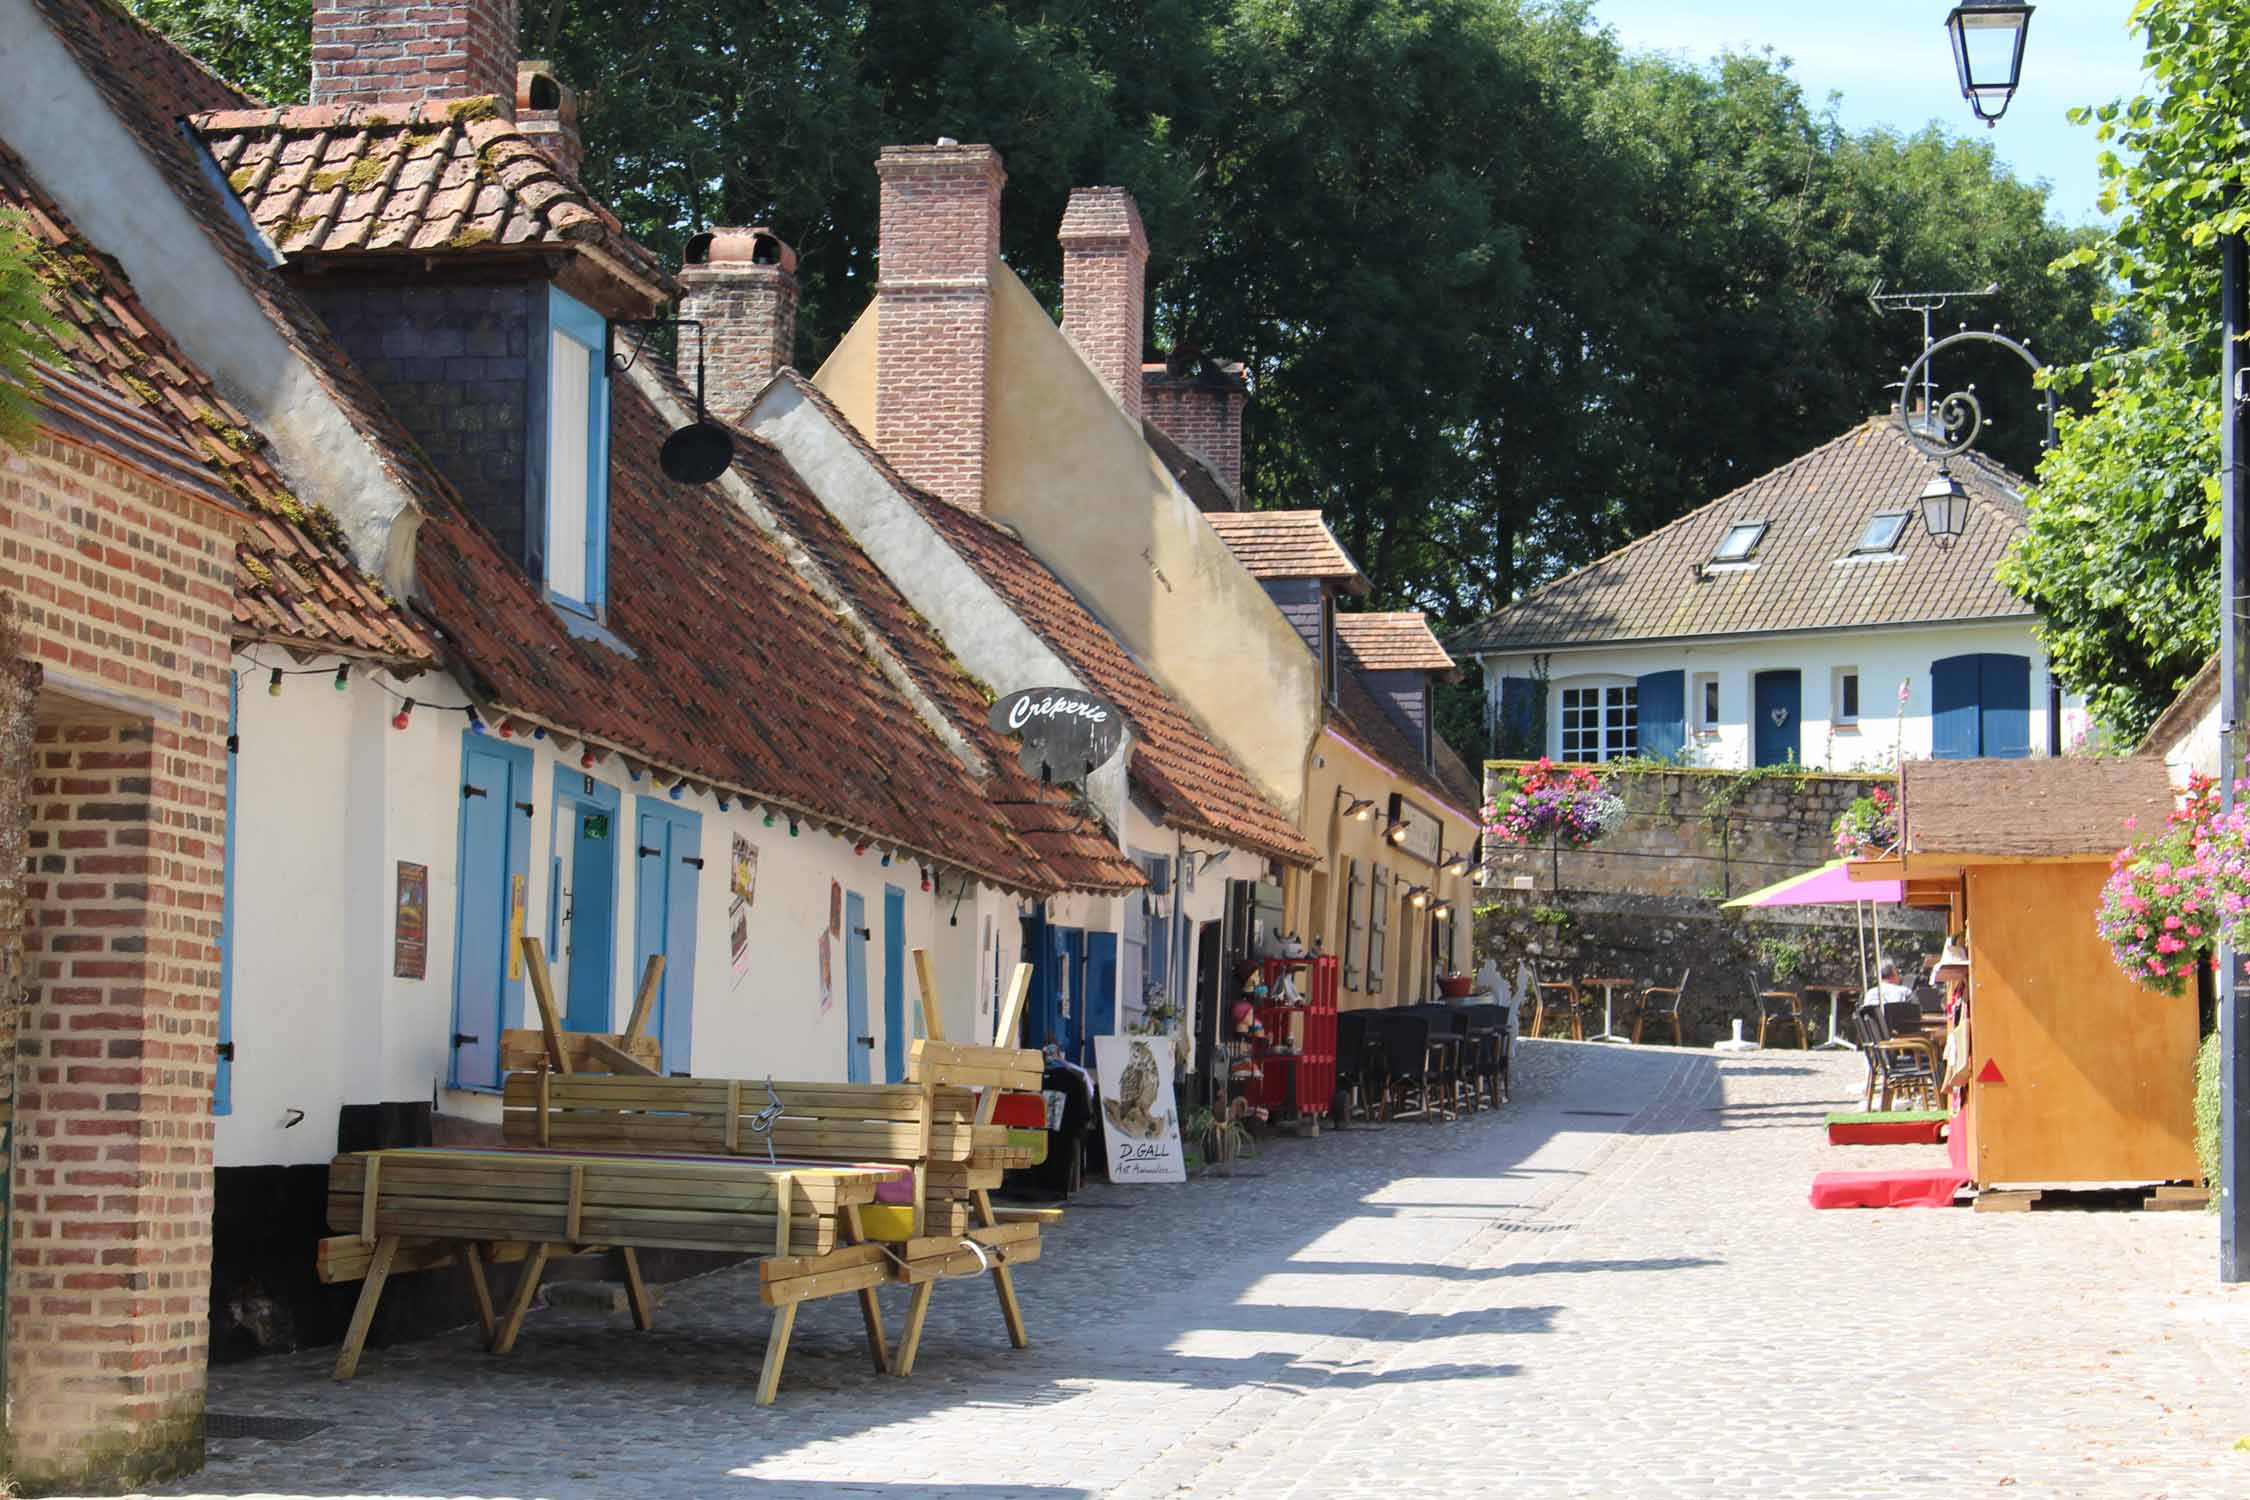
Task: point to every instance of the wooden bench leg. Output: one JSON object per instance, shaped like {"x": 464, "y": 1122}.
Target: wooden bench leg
{"x": 636, "y": 1292}
{"x": 902, "y": 1363}
{"x": 526, "y": 1289}
{"x": 363, "y": 1315}
{"x": 777, "y": 1350}
{"x": 878, "y": 1348}
{"x": 472, "y": 1256}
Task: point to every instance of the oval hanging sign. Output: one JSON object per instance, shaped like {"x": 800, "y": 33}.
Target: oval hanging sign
{"x": 1066, "y": 733}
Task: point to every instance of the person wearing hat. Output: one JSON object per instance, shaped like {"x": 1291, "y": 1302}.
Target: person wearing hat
{"x": 1951, "y": 976}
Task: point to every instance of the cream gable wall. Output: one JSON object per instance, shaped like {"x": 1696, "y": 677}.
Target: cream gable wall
{"x": 1071, "y": 472}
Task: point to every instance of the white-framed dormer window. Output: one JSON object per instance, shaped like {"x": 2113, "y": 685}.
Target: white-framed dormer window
{"x": 574, "y": 471}
{"x": 1846, "y": 698}
{"x": 1597, "y": 719}
{"x": 1881, "y": 535}
{"x": 1703, "y": 701}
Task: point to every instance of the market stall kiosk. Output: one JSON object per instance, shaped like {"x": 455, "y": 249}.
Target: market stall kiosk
{"x": 2078, "y": 1076}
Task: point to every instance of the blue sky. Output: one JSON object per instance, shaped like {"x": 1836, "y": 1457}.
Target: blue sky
{"x": 1890, "y": 61}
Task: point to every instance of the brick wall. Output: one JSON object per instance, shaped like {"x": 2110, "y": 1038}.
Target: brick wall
{"x": 1105, "y": 284}
{"x": 388, "y": 52}
{"x": 454, "y": 362}
{"x": 744, "y": 292}
{"x": 1202, "y": 412}
{"x": 126, "y": 586}
{"x": 939, "y": 235}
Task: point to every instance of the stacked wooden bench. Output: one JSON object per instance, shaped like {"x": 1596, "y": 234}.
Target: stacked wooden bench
{"x": 837, "y": 1187}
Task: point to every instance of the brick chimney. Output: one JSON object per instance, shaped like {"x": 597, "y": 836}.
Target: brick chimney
{"x": 1105, "y": 283}
{"x": 741, "y": 284}
{"x": 939, "y": 236}
{"x": 1198, "y": 403}
{"x": 547, "y": 114}
{"x": 404, "y": 51}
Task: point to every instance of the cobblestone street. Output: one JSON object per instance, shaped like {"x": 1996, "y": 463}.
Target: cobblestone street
{"x": 1613, "y": 1287}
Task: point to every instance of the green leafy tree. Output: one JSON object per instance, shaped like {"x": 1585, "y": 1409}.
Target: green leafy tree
{"x": 2122, "y": 553}
{"x": 262, "y": 47}
{"x": 25, "y": 327}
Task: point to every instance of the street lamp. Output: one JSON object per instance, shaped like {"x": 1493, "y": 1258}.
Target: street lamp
{"x": 1988, "y": 53}
{"x": 1945, "y": 508}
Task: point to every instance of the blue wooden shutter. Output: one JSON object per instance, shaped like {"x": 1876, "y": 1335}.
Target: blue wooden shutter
{"x": 494, "y": 865}
{"x": 897, "y": 1025}
{"x": 2004, "y": 702}
{"x": 667, "y": 867}
{"x": 1520, "y": 733}
{"x": 1956, "y": 728}
{"x": 1101, "y": 987}
{"x": 1663, "y": 714}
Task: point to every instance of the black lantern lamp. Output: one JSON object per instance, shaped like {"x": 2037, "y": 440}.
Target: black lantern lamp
{"x": 1988, "y": 52}
{"x": 701, "y": 451}
{"x": 1945, "y": 508}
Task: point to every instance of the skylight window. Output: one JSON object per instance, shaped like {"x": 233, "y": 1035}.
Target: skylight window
{"x": 1741, "y": 541}
{"x": 1882, "y": 533}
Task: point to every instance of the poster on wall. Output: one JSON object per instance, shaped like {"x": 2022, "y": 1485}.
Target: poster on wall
{"x": 410, "y": 935}
{"x": 827, "y": 979}
{"x": 1140, "y": 1122}
{"x": 742, "y": 892}
{"x": 835, "y": 908}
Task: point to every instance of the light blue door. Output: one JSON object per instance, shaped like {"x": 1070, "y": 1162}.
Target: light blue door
{"x": 1776, "y": 704}
{"x": 582, "y": 899}
{"x": 667, "y": 871}
{"x": 860, "y": 1053}
{"x": 1101, "y": 991}
{"x": 495, "y": 860}
{"x": 894, "y": 984}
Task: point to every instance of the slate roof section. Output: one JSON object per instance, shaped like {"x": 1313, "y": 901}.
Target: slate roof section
{"x": 1392, "y": 641}
{"x": 1358, "y": 717}
{"x": 2047, "y": 807}
{"x": 1815, "y": 509}
{"x": 450, "y": 177}
{"x": 1193, "y": 781}
{"x": 739, "y": 674}
{"x": 135, "y": 390}
{"x": 1286, "y": 544}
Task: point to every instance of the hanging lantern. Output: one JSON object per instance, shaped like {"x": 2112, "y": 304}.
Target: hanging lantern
{"x": 1988, "y": 37}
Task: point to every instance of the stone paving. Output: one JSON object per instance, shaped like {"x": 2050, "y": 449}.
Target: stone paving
{"x": 1611, "y": 1288}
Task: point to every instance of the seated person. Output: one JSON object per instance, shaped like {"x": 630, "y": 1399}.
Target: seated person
{"x": 1887, "y": 988}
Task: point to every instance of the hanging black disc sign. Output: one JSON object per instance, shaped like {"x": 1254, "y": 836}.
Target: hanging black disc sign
{"x": 1067, "y": 733}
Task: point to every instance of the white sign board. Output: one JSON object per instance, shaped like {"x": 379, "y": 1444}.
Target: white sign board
{"x": 1140, "y": 1122}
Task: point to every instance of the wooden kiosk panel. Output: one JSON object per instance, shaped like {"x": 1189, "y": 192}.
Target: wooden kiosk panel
{"x": 2097, "y": 1074}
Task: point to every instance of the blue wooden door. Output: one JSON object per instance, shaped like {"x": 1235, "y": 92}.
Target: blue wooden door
{"x": 1038, "y": 950}
{"x": 1101, "y": 990}
{"x": 855, "y": 982}
{"x": 667, "y": 871}
{"x": 1980, "y": 704}
{"x": 494, "y": 861}
{"x": 1661, "y": 712}
{"x": 1070, "y": 973}
{"x": 1776, "y": 701}
{"x": 582, "y": 899}
{"x": 895, "y": 1029}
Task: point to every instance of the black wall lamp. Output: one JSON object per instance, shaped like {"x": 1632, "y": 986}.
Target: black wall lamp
{"x": 701, "y": 451}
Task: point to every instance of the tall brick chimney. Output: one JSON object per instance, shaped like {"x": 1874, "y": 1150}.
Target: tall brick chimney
{"x": 1105, "y": 283}
{"x": 547, "y": 114}
{"x": 939, "y": 236}
{"x": 741, "y": 284}
{"x": 404, "y": 51}
{"x": 1198, "y": 404}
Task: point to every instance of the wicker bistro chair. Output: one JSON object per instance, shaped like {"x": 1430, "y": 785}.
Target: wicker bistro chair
{"x": 1782, "y": 1008}
{"x": 1896, "y": 1065}
{"x": 1661, "y": 1002}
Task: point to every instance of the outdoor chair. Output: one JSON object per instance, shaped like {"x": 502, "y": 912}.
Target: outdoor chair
{"x": 1453, "y": 1056}
{"x": 1559, "y": 995}
{"x": 1903, "y": 1018}
{"x": 1896, "y": 1065}
{"x": 1488, "y": 1027}
{"x": 1355, "y": 1069}
{"x": 1662, "y": 1003}
{"x": 1406, "y": 1058}
{"x": 1781, "y": 1008}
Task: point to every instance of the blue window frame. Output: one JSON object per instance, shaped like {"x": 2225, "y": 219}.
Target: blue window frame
{"x": 569, "y": 468}
{"x": 667, "y": 870}
{"x": 222, "y": 1077}
{"x": 489, "y": 916}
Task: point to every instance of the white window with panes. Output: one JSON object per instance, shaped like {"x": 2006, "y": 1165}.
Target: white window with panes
{"x": 1597, "y": 721}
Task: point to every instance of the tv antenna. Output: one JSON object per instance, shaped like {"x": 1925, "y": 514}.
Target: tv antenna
{"x": 1924, "y": 303}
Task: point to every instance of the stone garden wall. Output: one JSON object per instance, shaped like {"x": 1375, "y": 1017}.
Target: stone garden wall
{"x": 1644, "y": 903}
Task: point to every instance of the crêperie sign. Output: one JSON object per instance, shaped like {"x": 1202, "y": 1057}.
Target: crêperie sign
{"x": 1066, "y": 733}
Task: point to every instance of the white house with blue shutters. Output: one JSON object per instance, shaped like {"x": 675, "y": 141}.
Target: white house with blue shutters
{"x": 1806, "y": 618}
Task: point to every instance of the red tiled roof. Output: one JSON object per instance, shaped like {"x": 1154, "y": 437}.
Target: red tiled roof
{"x": 444, "y": 176}
{"x": 1392, "y": 641}
{"x": 1286, "y": 544}
{"x": 1193, "y": 781}
{"x": 735, "y": 671}
{"x": 294, "y": 579}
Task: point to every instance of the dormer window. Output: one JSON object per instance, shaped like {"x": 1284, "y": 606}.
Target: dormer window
{"x": 1740, "y": 542}
{"x": 1881, "y": 535}
{"x": 571, "y": 482}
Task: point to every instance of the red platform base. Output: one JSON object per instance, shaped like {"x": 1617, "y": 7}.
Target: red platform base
{"x": 1928, "y": 1187}
{"x": 1886, "y": 1132}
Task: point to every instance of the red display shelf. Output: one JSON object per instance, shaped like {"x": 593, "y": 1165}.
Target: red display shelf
{"x": 1302, "y": 1081}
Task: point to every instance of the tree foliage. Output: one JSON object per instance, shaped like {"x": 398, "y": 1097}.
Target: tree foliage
{"x": 25, "y": 325}
{"x": 263, "y": 47}
{"x": 2123, "y": 550}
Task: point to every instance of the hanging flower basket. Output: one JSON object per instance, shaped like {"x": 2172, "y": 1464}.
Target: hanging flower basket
{"x": 1868, "y": 826}
{"x": 1545, "y": 801}
{"x": 2170, "y": 899}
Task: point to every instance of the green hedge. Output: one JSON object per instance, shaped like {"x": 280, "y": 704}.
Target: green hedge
{"x": 2207, "y": 1110}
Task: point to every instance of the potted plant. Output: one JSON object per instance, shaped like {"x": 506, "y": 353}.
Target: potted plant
{"x": 1868, "y": 826}
{"x": 1543, "y": 802}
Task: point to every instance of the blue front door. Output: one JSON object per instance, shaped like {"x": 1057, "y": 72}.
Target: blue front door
{"x": 1101, "y": 991}
{"x": 1776, "y": 699}
{"x": 859, "y": 1054}
{"x": 894, "y": 984}
{"x": 495, "y": 858}
{"x": 667, "y": 870}
{"x": 582, "y": 899}
{"x": 1038, "y": 1027}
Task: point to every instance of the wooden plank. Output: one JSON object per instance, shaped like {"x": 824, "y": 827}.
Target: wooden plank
{"x": 1014, "y": 1079}
{"x": 1028, "y": 1215}
{"x": 636, "y": 1291}
{"x": 777, "y": 1350}
{"x": 870, "y": 1310}
{"x": 1004, "y": 1282}
{"x": 524, "y": 1049}
{"x": 346, "y": 1257}
{"x": 961, "y": 1261}
{"x": 472, "y": 1256}
{"x": 546, "y": 1121}
{"x": 2177, "y": 1199}
{"x": 1011, "y": 1009}
{"x": 784, "y": 1267}
{"x": 576, "y": 1213}
{"x": 644, "y": 1002}
{"x": 363, "y": 1312}
{"x": 617, "y": 1061}
{"x": 827, "y": 1284}
{"x": 781, "y": 1218}
{"x": 372, "y": 1190}
{"x": 970, "y": 1055}
{"x": 734, "y": 1115}
{"x": 543, "y": 992}
{"x": 2006, "y": 1203}
{"x": 910, "y": 1339}
{"x": 526, "y": 1289}
{"x": 925, "y": 986}
{"x": 649, "y": 1228}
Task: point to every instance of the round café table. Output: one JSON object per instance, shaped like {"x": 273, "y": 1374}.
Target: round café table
{"x": 1835, "y": 994}
{"x": 1609, "y": 989}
